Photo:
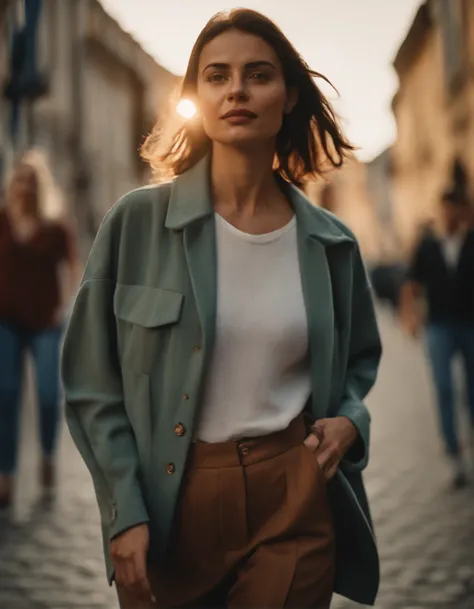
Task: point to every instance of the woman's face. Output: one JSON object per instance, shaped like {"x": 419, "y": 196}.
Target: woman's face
{"x": 241, "y": 90}
{"x": 24, "y": 188}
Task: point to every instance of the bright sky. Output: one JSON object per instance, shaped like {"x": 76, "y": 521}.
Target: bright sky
{"x": 352, "y": 42}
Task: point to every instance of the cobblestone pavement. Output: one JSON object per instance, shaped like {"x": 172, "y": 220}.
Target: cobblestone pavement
{"x": 50, "y": 555}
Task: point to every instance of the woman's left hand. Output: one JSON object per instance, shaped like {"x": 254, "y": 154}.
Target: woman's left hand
{"x": 330, "y": 439}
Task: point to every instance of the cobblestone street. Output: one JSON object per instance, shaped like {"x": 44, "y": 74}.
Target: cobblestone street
{"x": 51, "y": 556}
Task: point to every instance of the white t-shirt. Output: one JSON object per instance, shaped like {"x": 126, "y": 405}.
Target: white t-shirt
{"x": 451, "y": 246}
{"x": 259, "y": 378}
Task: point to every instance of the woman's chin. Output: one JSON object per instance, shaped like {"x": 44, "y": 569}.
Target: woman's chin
{"x": 244, "y": 140}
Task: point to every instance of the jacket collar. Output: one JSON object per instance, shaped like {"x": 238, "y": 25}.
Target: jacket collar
{"x": 190, "y": 201}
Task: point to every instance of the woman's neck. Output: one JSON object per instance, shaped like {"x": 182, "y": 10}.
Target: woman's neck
{"x": 22, "y": 212}
{"x": 243, "y": 181}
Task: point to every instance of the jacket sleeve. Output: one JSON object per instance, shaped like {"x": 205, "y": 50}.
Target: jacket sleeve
{"x": 365, "y": 351}
{"x": 95, "y": 411}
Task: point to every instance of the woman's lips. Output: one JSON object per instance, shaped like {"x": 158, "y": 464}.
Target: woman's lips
{"x": 239, "y": 114}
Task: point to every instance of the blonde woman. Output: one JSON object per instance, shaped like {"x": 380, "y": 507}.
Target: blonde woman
{"x": 35, "y": 248}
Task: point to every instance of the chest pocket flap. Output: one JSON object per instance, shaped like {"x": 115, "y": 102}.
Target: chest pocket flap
{"x": 146, "y": 306}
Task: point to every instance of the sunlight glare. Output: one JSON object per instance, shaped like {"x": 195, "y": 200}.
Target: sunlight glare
{"x": 186, "y": 108}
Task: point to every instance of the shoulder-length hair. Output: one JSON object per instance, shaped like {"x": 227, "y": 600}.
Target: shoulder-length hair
{"x": 310, "y": 140}
{"x": 51, "y": 204}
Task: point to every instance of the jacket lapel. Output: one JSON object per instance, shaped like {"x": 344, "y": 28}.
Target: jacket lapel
{"x": 315, "y": 235}
{"x": 190, "y": 210}
{"x": 316, "y": 283}
{"x": 201, "y": 256}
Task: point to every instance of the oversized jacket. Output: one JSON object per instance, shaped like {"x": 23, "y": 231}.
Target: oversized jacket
{"x": 139, "y": 343}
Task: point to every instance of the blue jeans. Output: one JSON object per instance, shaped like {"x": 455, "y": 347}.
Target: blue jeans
{"x": 45, "y": 349}
{"x": 444, "y": 341}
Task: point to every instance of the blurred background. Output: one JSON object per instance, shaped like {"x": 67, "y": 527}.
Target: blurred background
{"x": 81, "y": 84}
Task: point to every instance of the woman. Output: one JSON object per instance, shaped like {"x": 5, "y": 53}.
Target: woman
{"x": 34, "y": 250}
{"x": 220, "y": 316}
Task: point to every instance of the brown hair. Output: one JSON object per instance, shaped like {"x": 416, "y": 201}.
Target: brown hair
{"x": 310, "y": 137}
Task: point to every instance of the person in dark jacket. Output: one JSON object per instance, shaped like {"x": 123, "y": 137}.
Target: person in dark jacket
{"x": 442, "y": 269}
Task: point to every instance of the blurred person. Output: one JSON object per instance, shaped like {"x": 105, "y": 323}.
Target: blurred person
{"x": 220, "y": 348}
{"x": 38, "y": 264}
{"x": 442, "y": 269}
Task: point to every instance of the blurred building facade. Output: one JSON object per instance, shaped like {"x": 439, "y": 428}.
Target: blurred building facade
{"x": 5, "y": 8}
{"x": 379, "y": 183}
{"x": 346, "y": 193}
{"x": 388, "y": 201}
{"x": 434, "y": 113}
{"x": 103, "y": 93}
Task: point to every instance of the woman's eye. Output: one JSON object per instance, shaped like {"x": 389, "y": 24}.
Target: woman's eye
{"x": 216, "y": 77}
{"x": 262, "y": 76}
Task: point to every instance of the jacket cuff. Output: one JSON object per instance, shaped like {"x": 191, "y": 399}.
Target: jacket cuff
{"x": 357, "y": 456}
{"x": 128, "y": 509}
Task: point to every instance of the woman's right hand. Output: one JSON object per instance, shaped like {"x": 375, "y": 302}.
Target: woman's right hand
{"x": 129, "y": 552}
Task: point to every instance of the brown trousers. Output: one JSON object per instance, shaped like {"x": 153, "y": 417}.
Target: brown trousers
{"x": 253, "y": 529}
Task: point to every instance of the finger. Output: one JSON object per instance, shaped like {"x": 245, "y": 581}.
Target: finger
{"x": 332, "y": 455}
{"x": 128, "y": 573}
{"x": 128, "y": 576}
{"x": 331, "y": 471}
{"x": 318, "y": 430}
{"x": 312, "y": 442}
{"x": 141, "y": 574}
{"x": 119, "y": 576}
{"x": 142, "y": 589}
{"x": 145, "y": 589}
{"x": 324, "y": 457}
{"x": 137, "y": 587}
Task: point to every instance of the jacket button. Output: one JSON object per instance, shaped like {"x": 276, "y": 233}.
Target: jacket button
{"x": 185, "y": 396}
{"x": 170, "y": 469}
{"x": 197, "y": 348}
{"x": 179, "y": 430}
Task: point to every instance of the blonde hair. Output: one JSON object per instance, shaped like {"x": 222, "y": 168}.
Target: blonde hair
{"x": 50, "y": 199}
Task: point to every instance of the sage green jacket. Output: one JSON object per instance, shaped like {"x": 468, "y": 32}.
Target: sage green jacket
{"x": 139, "y": 343}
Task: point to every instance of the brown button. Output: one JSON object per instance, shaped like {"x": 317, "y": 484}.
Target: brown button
{"x": 185, "y": 396}
{"x": 179, "y": 429}
{"x": 243, "y": 450}
{"x": 170, "y": 468}
{"x": 197, "y": 348}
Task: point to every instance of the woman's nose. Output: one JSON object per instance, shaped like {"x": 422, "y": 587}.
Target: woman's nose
{"x": 238, "y": 94}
